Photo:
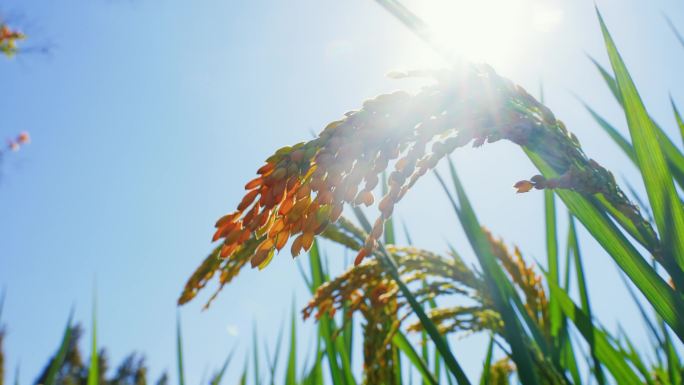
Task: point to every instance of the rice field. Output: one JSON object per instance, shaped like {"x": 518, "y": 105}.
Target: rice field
{"x": 340, "y": 189}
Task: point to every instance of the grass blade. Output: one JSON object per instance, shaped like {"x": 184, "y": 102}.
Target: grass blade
{"x": 255, "y": 351}
{"x": 662, "y": 297}
{"x": 273, "y": 364}
{"x": 179, "y": 351}
{"x": 501, "y": 288}
{"x": 486, "y": 368}
{"x": 291, "y": 372}
{"x": 216, "y": 380}
{"x": 605, "y": 352}
{"x": 651, "y": 327}
{"x": 439, "y": 341}
{"x": 407, "y": 235}
{"x": 243, "y": 377}
{"x": 674, "y": 157}
{"x": 678, "y": 118}
{"x": 568, "y": 358}
{"x": 397, "y": 356}
{"x": 614, "y": 134}
{"x": 674, "y": 364}
{"x": 573, "y": 247}
{"x": 552, "y": 259}
{"x": 678, "y": 35}
{"x": 401, "y": 342}
{"x": 58, "y": 359}
{"x": 667, "y": 209}
{"x": 93, "y": 369}
{"x": 326, "y": 326}
{"x": 633, "y": 357}
{"x": 608, "y": 78}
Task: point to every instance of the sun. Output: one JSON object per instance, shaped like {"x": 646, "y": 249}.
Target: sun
{"x": 492, "y": 31}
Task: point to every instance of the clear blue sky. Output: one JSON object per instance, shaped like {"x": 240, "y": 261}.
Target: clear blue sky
{"x": 148, "y": 116}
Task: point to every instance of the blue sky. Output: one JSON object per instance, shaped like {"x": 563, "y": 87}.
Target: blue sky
{"x": 148, "y": 116}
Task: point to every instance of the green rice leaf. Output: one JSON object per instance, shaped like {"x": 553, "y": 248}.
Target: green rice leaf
{"x": 573, "y": 248}
{"x": 216, "y": 380}
{"x": 243, "y": 377}
{"x": 678, "y": 35}
{"x": 667, "y": 209}
{"x": 678, "y": 118}
{"x": 440, "y": 343}
{"x": 273, "y": 364}
{"x": 552, "y": 258}
{"x": 605, "y": 352}
{"x": 635, "y": 359}
{"x": 291, "y": 372}
{"x": 674, "y": 364}
{"x": 255, "y": 351}
{"x": 674, "y": 157}
{"x": 397, "y": 357}
{"x": 179, "y": 351}
{"x": 667, "y": 303}
{"x": 502, "y": 291}
{"x": 568, "y": 359}
{"x": 614, "y": 134}
{"x": 608, "y": 78}
{"x": 650, "y": 325}
{"x": 334, "y": 348}
{"x": 315, "y": 374}
{"x": 58, "y": 359}
{"x": 481, "y": 245}
{"x": 401, "y": 342}
{"x": 345, "y": 358}
{"x": 486, "y": 368}
{"x": 93, "y": 369}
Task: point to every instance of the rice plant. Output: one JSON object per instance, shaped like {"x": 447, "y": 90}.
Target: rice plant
{"x": 302, "y": 191}
{"x": 538, "y": 332}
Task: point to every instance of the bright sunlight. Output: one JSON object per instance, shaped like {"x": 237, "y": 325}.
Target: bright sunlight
{"x": 491, "y": 31}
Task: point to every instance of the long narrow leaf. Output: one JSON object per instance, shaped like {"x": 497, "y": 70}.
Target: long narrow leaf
{"x": 678, "y": 118}
{"x": 674, "y": 364}
{"x": 552, "y": 258}
{"x": 439, "y": 341}
{"x": 614, "y": 134}
{"x": 606, "y": 353}
{"x": 255, "y": 352}
{"x": 406, "y": 347}
{"x": 179, "y": 351}
{"x": 573, "y": 246}
{"x": 667, "y": 303}
{"x": 291, "y": 371}
{"x": 678, "y": 35}
{"x": 243, "y": 377}
{"x": 216, "y": 380}
{"x": 667, "y": 209}
{"x": 486, "y": 368}
{"x": 93, "y": 369}
{"x": 650, "y": 325}
{"x": 674, "y": 157}
{"x": 58, "y": 359}
{"x": 273, "y": 364}
{"x": 326, "y": 325}
{"x": 502, "y": 291}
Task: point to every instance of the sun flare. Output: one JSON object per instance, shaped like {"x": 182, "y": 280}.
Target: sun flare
{"x": 492, "y": 31}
